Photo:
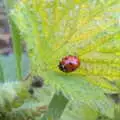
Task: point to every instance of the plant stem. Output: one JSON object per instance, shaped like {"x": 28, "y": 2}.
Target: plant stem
{"x": 56, "y": 107}
{"x": 1, "y": 74}
{"x": 16, "y": 38}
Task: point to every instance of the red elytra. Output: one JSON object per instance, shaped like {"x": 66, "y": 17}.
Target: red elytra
{"x": 69, "y": 63}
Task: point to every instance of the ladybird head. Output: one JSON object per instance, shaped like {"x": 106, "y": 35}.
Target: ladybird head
{"x": 62, "y": 67}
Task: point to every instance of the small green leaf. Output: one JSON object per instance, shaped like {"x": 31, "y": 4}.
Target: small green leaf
{"x": 1, "y": 74}
{"x": 117, "y": 112}
{"x": 56, "y": 107}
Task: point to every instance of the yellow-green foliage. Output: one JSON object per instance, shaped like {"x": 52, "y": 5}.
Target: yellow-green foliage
{"x": 88, "y": 29}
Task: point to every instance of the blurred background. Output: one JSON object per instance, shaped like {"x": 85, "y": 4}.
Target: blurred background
{"x": 7, "y": 58}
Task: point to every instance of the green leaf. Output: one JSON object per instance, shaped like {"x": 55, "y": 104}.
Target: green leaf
{"x": 56, "y": 107}
{"x": 83, "y": 112}
{"x": 54, "y": 29}
{"x": 1, "y": 74}
{"x": 117, "y": 112}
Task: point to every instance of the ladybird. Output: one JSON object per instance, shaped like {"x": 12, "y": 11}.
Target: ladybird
{"x": 69, "y": 63}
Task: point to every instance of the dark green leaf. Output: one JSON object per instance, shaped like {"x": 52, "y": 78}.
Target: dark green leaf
{"x": 56, "y": 107}
{"x": 1, "y": 74}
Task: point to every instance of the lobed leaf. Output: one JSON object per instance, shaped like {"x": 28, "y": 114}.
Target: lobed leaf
{"x": 57, "y": 28}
